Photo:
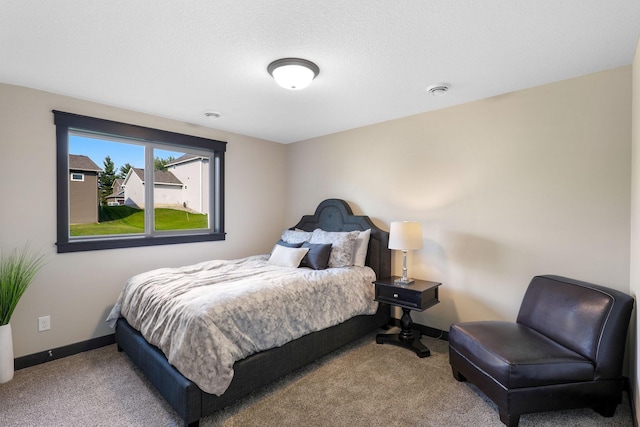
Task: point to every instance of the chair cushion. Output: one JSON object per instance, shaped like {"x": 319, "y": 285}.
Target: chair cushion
{"x": 517, "y": 356}
{"x": 570, "y": 312}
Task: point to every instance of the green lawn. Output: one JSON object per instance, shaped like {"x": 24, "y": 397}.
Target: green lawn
{"x": 128, "y": 220}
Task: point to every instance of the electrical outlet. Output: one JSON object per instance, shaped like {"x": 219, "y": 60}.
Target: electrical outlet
{"x": 44, "y": 323}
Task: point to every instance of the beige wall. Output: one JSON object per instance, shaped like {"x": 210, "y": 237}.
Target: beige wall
{"x": 635, "y": 232}
{"x": 78, "y": 289}
{"x": 530, "y": 182}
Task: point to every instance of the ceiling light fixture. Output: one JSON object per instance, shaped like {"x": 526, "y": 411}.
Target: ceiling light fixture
{"x": 438, "y": 89}
{"x": 293, "y": 73}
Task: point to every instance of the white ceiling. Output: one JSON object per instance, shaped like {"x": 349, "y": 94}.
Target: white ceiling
{"x": 178, "y": 59}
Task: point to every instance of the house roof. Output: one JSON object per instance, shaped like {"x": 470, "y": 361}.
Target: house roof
{"x": 159, "y": 177}
{"x": 184, "y": 158}
{"x": 80, "y": 162}
{"x": 117, "y": 183}
{"x": 119, "y": 195}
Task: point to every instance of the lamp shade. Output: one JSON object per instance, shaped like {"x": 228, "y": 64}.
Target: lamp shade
{"x": 293, "y": 73}
{"x": 405, "y": 235}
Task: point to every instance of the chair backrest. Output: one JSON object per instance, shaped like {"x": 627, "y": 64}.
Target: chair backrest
{"x": 589, "y": 319}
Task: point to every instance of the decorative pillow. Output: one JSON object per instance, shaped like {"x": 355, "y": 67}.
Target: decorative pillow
{"x": 360, "y": 248}
{"x": 287, "y": 257}
{"x": 342, "y": 245}
{"x": 286, "y": 244}
{"x": 289, "y": 245}
{"x": 317, "y": 257}
{"x": 296, "y": 236}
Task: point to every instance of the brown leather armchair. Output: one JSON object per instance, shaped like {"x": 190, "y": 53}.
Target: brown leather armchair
{"x": 564, "y": 351}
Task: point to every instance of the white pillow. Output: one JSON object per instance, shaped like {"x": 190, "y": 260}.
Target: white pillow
{"x": 342, "y": 243}
{"x": 287, "y": 257}
{"x": 360, "y": 248}
{"x": 296, "y": 236}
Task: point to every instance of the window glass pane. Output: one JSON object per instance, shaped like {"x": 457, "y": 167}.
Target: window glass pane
{"x": 181, "y": 190}
{"x": 106, "y": 176}
{"x": 109, "y": 198}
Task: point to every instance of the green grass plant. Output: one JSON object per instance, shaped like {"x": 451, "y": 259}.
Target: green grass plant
{"x": 128, "y": 220}
{"x": 16, "y": 274}
{"x": 172, "y": 219}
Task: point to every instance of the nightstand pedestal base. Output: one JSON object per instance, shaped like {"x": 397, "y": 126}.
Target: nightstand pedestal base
{"x": 419, "y": 295}
{"x": 408, "y": 337}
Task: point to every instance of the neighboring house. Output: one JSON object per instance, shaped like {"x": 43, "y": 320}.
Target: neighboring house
{"x": 167, "y": 189}
{"x": 116, "y": 198}
{"x": 193, "y": 172}
{"x": 83, "y": 189}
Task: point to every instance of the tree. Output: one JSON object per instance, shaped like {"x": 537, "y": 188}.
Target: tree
{"x": 124, "y": 169}
{"x": 105, "y": 180}
{"x": 161, "y": 164}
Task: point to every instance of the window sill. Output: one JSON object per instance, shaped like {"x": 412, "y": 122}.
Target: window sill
{"x": 96, "y": 245}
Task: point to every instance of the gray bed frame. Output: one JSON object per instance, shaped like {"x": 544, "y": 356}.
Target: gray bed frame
{"x": 263, "y": 368}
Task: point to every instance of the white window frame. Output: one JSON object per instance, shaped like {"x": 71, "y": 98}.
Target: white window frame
{"x": 77, "y": 173}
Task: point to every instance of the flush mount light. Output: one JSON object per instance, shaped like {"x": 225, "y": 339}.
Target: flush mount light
{"x": 438, "y": 89}
{"x": 293, "y": 73}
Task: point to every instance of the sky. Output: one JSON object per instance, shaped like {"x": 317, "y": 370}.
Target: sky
{"x": 120, "y": 152}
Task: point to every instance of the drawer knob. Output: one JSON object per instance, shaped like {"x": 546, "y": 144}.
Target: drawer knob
{"x": 395, "y": 295}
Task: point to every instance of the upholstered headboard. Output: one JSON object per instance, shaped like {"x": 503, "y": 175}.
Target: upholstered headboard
{"x": 336, "y": 215}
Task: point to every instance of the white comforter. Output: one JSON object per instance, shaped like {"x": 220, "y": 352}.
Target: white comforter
{"x": 207, "y": 316}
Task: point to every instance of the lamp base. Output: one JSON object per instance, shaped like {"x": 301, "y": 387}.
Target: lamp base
{"x": 403, "y": 281}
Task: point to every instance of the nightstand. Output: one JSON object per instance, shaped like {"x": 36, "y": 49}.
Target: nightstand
{"x": 419, "y": 295}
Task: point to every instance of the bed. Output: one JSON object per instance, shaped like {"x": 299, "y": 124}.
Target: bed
{"x": 263, "y": 367}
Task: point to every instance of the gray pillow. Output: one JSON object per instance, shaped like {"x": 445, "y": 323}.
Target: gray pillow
{"x": 287, "y": 244}
{"x": 318, "y": 255}
{"x": 342, "y": 245}
{"x": 296, "y": 236}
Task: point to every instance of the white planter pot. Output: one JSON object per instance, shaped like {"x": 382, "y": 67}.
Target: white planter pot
{"x": 6, "y": 354}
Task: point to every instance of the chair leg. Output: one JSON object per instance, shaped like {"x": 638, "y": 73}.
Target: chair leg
{"x": 510, "y": 420}
{"x": 457, "y": 375}
{"x": 606, "y": 410}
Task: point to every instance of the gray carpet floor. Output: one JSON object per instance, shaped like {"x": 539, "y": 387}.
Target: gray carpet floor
{"x": 363, "y": 384}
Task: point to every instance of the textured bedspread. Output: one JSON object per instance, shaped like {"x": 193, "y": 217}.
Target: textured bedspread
{"x": 207, "y": 316}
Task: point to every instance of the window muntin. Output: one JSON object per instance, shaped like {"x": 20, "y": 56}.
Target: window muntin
{"x": 136, "y": 155}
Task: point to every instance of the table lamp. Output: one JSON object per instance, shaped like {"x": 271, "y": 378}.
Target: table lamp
{"x": 405, "y": 236}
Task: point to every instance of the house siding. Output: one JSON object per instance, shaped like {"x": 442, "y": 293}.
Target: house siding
{"x": 167, "y": 196}
{"x": 134, "y": 192}
{"x": 194, "y": 175}
{"x": 83, "y": 205}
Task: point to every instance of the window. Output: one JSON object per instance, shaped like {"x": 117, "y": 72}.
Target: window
{"x": 135, "y": 186}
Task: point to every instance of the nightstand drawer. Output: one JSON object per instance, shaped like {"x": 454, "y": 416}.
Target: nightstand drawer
{"x": 419, "y": 295}
{"x": 399, "y": 296}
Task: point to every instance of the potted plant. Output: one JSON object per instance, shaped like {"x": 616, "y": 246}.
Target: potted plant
{"x": 16, "y": 273}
